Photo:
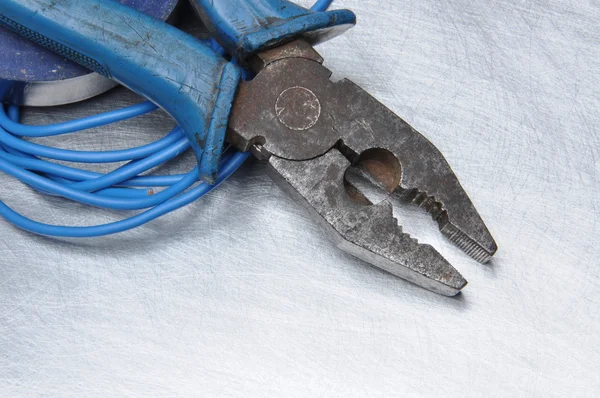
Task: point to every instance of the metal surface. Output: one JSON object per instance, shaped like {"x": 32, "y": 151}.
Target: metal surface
{"x": 313, "y": 130}
{"x": 192, "y": 304}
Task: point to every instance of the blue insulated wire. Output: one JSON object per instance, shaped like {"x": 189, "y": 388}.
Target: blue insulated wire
{"x": 321, "y": 5}
{"x": 85, "y": 123}
{"x": 132, "y": 222}
{"x": 31, "y": 148}
{"x": 118, "y": 203}
{"x": 125, "y": 188}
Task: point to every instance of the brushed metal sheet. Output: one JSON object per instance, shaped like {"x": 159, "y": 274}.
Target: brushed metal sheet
{"x": 240, "y": 294}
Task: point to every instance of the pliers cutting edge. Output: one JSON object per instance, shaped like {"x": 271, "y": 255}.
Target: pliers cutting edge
{"x": 310, "y": 130}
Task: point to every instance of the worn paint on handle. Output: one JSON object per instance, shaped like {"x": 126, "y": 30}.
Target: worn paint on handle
{"x": 244, "y": 27}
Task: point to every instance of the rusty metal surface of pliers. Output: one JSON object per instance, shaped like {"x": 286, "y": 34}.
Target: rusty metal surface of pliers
{"x": 311, "y": 131}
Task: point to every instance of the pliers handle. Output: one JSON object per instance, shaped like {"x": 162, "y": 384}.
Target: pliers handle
{"x": 246, "y": 27}
{"x": 176, "y": 71}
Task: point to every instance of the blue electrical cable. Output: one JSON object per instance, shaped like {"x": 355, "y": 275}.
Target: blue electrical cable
{"x": 121, "y": 155}
{"x": 321, "y": 5}
{"x": 119, "y": 226}
{"x": 124, "y": 188}
{"x": 72, "y": 126}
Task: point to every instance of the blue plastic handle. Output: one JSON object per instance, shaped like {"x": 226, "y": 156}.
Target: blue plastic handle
{"x": 172, "y": 69}
{"x": 245, "y": 27}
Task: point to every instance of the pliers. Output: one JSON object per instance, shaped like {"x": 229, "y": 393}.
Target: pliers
{"x": 310, "y": 130}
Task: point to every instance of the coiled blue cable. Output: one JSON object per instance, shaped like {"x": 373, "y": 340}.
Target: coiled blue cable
{"x": 123, "y": 188}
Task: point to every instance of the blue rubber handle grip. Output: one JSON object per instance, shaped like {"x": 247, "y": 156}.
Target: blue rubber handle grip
{"x": 170, "y": 68}
{"x": 245, "y": 27}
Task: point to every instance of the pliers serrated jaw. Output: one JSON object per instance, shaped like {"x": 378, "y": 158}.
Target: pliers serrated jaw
{"x": 313, "y": 130}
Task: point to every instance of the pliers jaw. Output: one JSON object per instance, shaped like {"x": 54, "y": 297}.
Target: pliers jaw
{"x": 367, "y": 231}
{"x": 312, "y": 131}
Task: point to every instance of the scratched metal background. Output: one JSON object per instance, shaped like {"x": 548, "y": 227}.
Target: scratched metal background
{"x": 240, "y": 294}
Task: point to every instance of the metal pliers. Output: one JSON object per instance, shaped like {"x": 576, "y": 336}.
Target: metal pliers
{"x": 310, "y": 130}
